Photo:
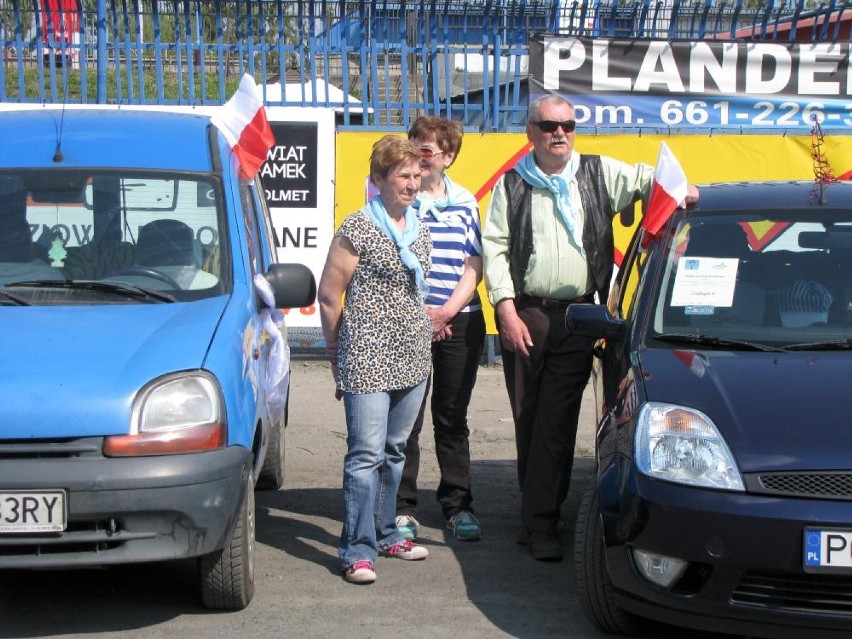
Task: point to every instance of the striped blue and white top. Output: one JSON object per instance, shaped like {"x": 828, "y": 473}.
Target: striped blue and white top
{"x": 454, "y": 225}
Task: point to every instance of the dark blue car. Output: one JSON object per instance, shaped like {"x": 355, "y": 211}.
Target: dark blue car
{"x": 723, "y": 490}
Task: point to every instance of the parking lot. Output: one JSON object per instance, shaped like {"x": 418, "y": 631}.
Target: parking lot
{"x": 490, "y": 588}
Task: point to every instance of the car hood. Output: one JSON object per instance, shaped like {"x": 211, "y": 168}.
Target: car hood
{"x": 73, "y": 371}
{"x": 777, "y": 411}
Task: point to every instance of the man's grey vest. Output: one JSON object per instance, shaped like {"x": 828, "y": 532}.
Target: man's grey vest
{"x": 597, "y": 231}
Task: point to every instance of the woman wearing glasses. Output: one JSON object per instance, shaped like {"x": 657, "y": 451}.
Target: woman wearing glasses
{"x": 451, "y": 213}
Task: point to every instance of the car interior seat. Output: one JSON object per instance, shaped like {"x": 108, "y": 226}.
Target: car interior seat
{"x": 165, "y": 243}
{"x": 20, "y": 258}
{"x": 16, "y": 245}
{"x": 169, "y": 246}
{"x": 106, "y": 253}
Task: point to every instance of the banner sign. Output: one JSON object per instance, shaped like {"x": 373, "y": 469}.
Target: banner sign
{"x": 691, "y": 87}
{"x": 298, "y": 181}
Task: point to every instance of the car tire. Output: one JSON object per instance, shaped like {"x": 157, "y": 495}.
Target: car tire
{"x": 592, "y": 582}
{"x": 272, "y": 472}
{"x": 227, "y": 575}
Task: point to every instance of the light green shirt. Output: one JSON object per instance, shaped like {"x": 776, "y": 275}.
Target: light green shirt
{"x": 557, "y": 268}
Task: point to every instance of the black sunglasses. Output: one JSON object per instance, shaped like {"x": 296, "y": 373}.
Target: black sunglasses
{"x": 550, "y": 126}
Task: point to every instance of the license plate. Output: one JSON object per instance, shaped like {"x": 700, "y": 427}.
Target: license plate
{"x": 33, "y": 511}
{"x": 828, "y": 549}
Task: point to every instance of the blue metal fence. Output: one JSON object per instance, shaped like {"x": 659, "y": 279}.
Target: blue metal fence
{"x": 378, "y": 63}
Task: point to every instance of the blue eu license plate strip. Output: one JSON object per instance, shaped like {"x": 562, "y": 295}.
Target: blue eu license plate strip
{"x": 827, "y": 549}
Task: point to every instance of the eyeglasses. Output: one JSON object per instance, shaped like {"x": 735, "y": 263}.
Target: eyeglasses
{"x": 428, "y": 153}
{"x": 550, "y": 126}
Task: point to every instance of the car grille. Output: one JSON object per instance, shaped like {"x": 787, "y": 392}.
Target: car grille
{"x": 812, "y": 593}
{"x": 61, "y": 448}
{"x": 90, "y": 537}
{"x": 821, "y": 485}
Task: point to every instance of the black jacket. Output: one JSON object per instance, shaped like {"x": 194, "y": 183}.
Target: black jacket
{"x": 598, "y": 239}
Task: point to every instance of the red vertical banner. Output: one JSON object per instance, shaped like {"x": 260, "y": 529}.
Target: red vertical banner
{"x": 60, "y": 26}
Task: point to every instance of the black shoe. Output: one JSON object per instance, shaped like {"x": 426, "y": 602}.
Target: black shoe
{"x": 545, "y": 546}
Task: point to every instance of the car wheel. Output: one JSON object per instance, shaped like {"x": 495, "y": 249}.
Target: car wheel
{"x": 227, "y": 575}
{"x": 272, "y": 472}
{"x": 594, "y": 588}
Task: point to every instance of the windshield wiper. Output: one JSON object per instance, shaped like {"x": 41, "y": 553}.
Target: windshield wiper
{"x": 118, "y": 288}
{"x": 828, "y": 345}
{"x": 15, "y": 299}
{"x": 712, "y": 340}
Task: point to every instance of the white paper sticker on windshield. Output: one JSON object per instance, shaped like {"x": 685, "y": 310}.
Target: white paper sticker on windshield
{"x": 705, "y": 281}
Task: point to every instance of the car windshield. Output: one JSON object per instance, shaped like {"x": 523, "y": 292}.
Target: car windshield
{"x": 761, "y": 279}
{"x": 110, "y": 237}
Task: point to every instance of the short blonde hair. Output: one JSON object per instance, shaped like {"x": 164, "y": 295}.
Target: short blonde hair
{"x": 389, "y": 151}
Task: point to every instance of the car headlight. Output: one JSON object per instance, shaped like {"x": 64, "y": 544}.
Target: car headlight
{"x": 683, "y": 445}
{"x": 179, "y": 413}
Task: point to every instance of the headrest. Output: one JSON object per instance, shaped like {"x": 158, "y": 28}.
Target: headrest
{"x": 165, "y": 243}
{"x": 725, "y": 239}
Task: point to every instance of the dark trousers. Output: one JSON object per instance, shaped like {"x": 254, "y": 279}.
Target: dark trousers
{"x": 454, "y": 365}
{"x": 545, "y": 393}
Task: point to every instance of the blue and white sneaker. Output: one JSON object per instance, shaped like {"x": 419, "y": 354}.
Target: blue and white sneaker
{"x": 408, "y": 526}
{"x": 465, "y": 526}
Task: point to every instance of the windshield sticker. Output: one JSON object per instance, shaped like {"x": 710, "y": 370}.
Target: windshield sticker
{"x": 699, "y": 310}
{"x": 705, "y": 282}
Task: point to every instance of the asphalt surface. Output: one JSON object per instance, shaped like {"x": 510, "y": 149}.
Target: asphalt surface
{"x": 488, "y": 588}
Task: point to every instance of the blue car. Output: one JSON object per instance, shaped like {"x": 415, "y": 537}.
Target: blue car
{"x": 144, "y": 372}
{"x": 722, "y": 498}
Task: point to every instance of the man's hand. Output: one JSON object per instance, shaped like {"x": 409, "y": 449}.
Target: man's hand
{"x": 514, "y": 335}
{"x": 691, "y": 194}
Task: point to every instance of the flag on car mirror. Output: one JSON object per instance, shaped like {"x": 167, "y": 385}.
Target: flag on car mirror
{"x": 242, "y": 120}
{"x": 668, "y": 191}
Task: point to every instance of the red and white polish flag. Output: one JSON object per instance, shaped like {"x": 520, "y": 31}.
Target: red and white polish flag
{"x": 242, "y": 120}
{"x": 668, "y": 191}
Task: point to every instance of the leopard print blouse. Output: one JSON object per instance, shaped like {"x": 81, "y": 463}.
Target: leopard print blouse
{"x": 385, "y": 334}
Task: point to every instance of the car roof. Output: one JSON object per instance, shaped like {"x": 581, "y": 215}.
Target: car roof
{"x": 776, "y": 195}
{"x": 105, "y": 137}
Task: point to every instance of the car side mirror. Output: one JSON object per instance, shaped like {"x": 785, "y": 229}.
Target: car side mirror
{"x": 293, "y": 285}
{"x": 594, "y": 320}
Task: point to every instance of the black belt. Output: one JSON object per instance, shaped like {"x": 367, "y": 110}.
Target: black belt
{"x": 559, "y": 305}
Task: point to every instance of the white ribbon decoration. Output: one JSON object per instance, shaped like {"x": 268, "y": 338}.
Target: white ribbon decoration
{"x": 278, "y": 362}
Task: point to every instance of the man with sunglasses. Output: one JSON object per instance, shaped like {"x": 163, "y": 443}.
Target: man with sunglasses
{"x": 547, "y": 242}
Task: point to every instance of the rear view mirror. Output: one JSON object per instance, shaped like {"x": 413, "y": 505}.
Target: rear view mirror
{"x": 835, "y": 238}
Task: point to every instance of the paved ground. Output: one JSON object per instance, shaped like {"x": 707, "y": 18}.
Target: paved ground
{"x": 464, "y": 590}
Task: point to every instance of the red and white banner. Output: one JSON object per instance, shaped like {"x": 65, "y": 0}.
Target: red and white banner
{"x": 242, "y": 120}
{"x": 668, "y": 191}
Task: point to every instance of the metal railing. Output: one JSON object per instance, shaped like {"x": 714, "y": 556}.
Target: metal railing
{"x": 379, "y": 64}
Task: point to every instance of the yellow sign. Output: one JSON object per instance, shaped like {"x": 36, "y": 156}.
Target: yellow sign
{"x": 704, "y": 158}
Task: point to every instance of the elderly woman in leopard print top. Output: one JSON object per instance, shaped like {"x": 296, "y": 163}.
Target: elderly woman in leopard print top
{"x": 378, "y": 342}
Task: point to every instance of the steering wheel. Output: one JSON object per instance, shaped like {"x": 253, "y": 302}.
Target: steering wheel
{"x": 144, "y": 271}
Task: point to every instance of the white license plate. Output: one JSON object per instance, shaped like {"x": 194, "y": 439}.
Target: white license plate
{"x": 33, "y": 511}
{"x": 828, "y": 548}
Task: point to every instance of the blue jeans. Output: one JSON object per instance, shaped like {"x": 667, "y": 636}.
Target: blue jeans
{"x": 378, "y": 425}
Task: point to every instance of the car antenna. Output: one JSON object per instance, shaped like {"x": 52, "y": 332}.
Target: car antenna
{"x": 57, "y": 154}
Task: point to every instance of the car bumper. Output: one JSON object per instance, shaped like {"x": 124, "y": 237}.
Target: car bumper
{"x": 127, "y": 510}
{"x": 745, "y": 572}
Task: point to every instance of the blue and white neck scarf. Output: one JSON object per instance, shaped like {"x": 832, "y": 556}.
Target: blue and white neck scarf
{"x": 559, "y": 186}
{"x": 449, "y": 207}
{"x": 378, "y": 215}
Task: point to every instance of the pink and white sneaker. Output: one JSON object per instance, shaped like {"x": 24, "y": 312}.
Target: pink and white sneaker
{"x": 407, "y": 550}
{"x": 361, "y": 572}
